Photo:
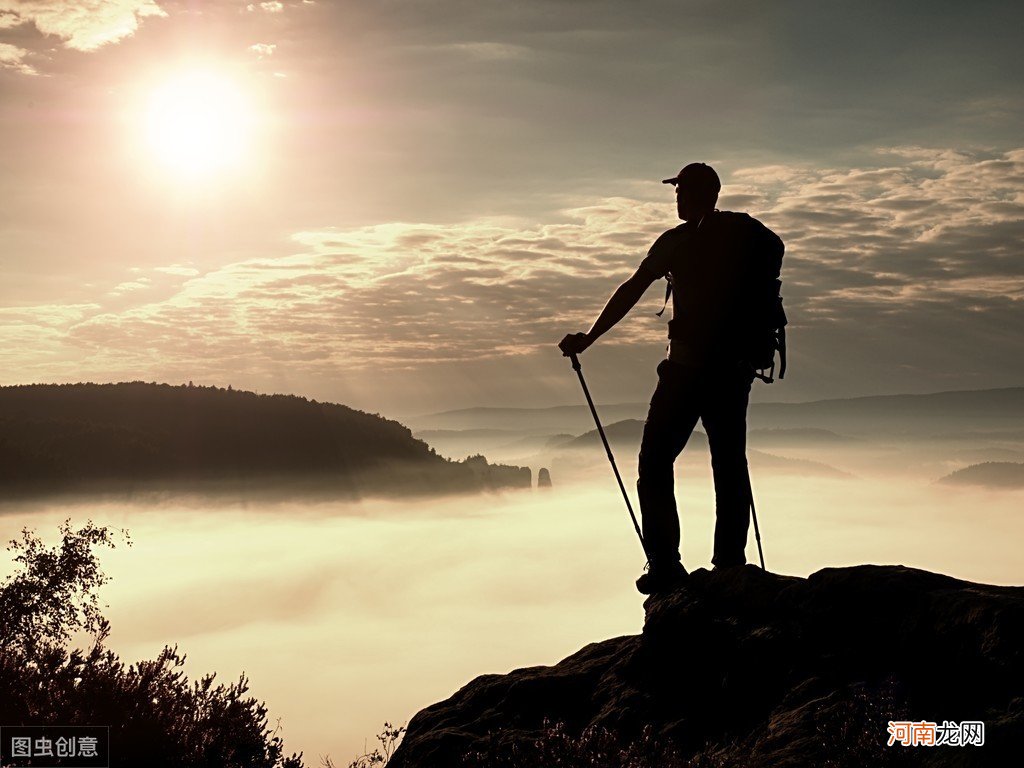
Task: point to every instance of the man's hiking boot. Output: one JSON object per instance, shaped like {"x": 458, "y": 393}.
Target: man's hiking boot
{"x": 664, "y": 579}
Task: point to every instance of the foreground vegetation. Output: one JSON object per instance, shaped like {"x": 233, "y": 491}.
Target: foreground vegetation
{"x": 157, "y": 717}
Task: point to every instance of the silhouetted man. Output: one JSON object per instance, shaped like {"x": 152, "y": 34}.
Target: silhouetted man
{"x": 718, "y": 264}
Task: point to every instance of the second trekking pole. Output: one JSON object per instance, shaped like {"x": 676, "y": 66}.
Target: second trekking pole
{"x": 579, "y": 372}
{"x": 753, "y": 514}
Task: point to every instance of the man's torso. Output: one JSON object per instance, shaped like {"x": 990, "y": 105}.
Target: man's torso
{"x": 712, "y": 265}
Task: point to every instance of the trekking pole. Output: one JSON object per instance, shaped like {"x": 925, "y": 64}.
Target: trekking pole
{"x": 753, "y": 513}
{"x": 579, "y": 372}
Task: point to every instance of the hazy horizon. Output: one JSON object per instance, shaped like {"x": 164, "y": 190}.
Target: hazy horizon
{"x": 575, "y": 400}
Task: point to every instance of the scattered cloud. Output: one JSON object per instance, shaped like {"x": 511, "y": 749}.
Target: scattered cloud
{"x": 267, "y": 7}
{"x": 263, "y": 50}
{"x": 82, "y": 26}
{"x": 13, "y": 57}
{"x": 35, "y": 338}
{"x": 131, "y": 286}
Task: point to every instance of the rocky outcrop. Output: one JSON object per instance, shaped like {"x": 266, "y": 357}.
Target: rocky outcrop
{"x": 747, "y": 668}
{"x": 543, "y": 478}
{"x": 496, "y": 476}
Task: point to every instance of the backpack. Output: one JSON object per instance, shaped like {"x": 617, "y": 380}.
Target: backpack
{"x": 765, "y": 320}
{"x": 767, "y": 332}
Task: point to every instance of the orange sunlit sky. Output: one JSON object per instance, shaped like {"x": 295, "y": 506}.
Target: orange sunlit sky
{"x": 402, "y": 205}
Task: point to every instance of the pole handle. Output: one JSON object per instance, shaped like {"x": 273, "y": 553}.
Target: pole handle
{"x": 575, "y": 361}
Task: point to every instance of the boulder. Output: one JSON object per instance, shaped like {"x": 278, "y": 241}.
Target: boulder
{"x": 746, "y": 668}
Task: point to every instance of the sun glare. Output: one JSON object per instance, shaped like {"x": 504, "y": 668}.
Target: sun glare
{"x": 198, "y": 124}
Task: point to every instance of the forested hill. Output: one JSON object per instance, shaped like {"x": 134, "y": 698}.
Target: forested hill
{"x": 132, "y": 436}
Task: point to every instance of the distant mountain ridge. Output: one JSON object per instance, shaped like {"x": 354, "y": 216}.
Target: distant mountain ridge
{"x": 133, "y": 436}
{"x": 935, "y": 412}
{"x": 990, "y": 474}
{"x": 628, "y": 434}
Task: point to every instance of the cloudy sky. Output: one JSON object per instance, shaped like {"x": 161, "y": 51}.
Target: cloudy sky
{"x": 402, "y": 205}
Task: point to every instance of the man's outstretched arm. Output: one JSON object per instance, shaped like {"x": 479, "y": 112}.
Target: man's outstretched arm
{"x": 624, "y": 299}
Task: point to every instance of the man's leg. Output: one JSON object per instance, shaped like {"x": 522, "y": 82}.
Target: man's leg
{"x": 670, "y": 421}
{"x": 725, "y": 420}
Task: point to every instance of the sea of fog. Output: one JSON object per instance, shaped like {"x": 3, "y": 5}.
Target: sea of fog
{"x": 344, "y": 615}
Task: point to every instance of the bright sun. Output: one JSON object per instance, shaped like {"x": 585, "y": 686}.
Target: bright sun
{"x": 198, "y": 123}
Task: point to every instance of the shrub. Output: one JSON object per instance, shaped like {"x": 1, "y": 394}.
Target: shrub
{"x": 389, "y": 738}
{"x": 157, "y": 718}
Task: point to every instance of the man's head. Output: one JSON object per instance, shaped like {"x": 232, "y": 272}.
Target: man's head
{"x": 697, "y": 187}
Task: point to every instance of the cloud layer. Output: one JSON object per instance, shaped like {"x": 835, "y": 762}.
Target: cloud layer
{"x": 83, "y": 26}
{"x": 13, "y": 57}
{"x": 909, "y": 272}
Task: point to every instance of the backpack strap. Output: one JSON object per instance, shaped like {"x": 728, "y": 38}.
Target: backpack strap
{"x": 668, "y": 280}
{"x": 782, "y": 352}
{"x": 668, "y": 295}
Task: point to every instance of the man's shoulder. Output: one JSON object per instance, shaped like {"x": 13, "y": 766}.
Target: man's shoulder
{"x": 743, "y": 222}
{"x": 661, "y": 254}
{"x": 672, "y": 233}
{"x": 737, "y": 219}
{"x": 668, "y": 239}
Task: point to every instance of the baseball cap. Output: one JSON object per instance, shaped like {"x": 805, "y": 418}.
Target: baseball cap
{"x": 698, "y": 176}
